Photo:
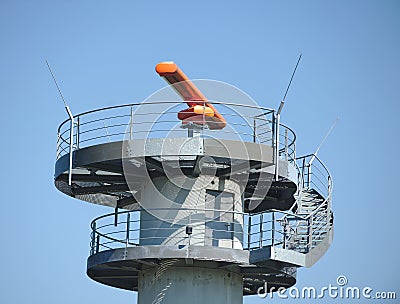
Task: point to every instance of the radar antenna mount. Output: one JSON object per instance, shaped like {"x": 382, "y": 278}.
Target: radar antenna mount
{"x": 200, "y": 113}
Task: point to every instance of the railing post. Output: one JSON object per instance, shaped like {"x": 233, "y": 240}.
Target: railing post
{"x": 254, "y": 130}
{"x": 273, "y": 136}
{"x": 303, "y": 166}
{"x": 261, "y": 231}
{"x": 128, "y": 222}
{"x": 58, "y": 143}
{"x": 77, "y": 132}
{"x": 310, "y": 233}
{"x": 71, "y": 144}
{"x": 308, "y": 175}
{"x": 116, "y": 216}
{"x": 277, "y": 147}
{"x": 273, "y": 229}
{"x": 286, "y": 145}
{"x": 329, "y": 185}
{"x": 131, "y": 125}
{"x": 249, "y": 232}
{"x": 232, "y": 229}
{"x": 93, "y": 239}
{"x": 97, "y": 243}
{"x": 285, "y": 225}
{"x": 294, "y": 150}
{"x": 71, "y": 150}
{"x": 329, "y": 192}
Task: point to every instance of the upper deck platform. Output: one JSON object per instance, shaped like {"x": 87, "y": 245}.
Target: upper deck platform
{"x": 95, "y": 151}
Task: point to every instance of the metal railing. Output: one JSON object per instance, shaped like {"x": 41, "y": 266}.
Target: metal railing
{"x": 126, "y": 231}
{"x": 129, "y": 228}
{"x": 292, "y": 230}
{"x": 264, "y": 131}
{"x": 246, "y": 123}
{"x": 156, "y": 119}
{"x": 315, "y": 174}
{"x": 313, "y": 219}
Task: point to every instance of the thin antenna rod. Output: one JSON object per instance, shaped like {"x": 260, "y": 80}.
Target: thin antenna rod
{"x": 322, "y": 142}
{"x": 71, "y": 129}
{"x": 288, "y": 87}
{"x": 327, "y": 134}
{"x": 55, "y": 81}
{"x": 291, "y": 78}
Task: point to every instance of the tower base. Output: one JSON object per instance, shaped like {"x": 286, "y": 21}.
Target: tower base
{"x": 195, "y": 285}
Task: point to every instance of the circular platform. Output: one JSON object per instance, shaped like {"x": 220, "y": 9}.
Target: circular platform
{"x": 116, "y": 150}
{"x": 121, "y": 267}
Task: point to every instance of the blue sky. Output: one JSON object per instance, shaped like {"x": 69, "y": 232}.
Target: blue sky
{"x": 104, "y": 52}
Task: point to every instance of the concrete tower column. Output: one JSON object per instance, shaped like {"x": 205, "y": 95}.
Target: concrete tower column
{"x": 194, "y": 285}
{"x": 213, "y": 209}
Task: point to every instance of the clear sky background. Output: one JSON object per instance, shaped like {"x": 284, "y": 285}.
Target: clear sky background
{"x": 104, "y": 52}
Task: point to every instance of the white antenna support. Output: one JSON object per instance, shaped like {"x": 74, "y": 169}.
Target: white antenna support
{"x": 69, "y": 113}
{"x": 323, "y": 140}
{"x": 280, "y": 107}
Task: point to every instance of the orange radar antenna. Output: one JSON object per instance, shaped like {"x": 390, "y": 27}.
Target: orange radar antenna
{"x": 200, "y": 111}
